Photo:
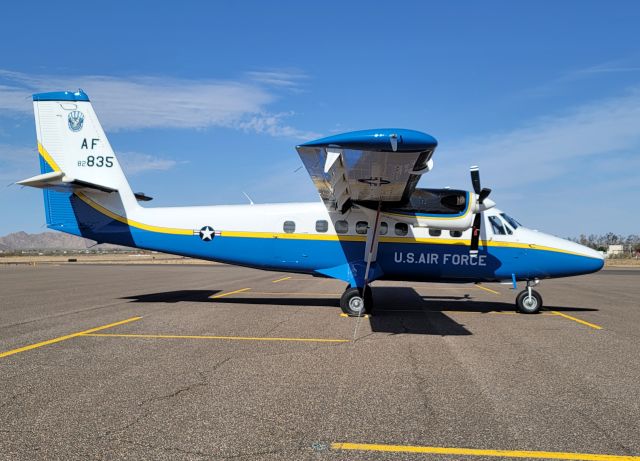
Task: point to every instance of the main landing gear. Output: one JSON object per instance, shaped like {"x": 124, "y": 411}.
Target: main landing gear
{"x": 356, "y": 302}
{"x": 529, "y": 300}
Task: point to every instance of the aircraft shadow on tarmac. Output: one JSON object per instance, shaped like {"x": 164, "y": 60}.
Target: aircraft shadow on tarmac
{"x": 399, "y": 310}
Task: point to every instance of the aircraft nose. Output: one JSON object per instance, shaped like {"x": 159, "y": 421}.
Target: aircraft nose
{"x": 593, "y": 260}
{"x": 585, "y": 260}
{"x": 561, "y": 258}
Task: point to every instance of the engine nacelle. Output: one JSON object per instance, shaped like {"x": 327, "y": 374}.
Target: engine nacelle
{"x": 447, "y": 209}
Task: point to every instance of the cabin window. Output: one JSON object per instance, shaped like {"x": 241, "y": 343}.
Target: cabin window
{"x": 384, "y": 228}
{"x": 512, "y": 222}
{"x": 401, "y": 229}
{"x": 455, "y": 234}
{"x": 322, "y": 225}
{"x": 289, "y": 227}
{"x": 361, "y": 227}
{"x": 435, "y": 232}
{"x": 342, "y": 226}
{"x": 497, "y": 226}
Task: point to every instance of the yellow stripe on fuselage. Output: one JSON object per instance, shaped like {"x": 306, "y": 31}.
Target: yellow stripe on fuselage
{"x": 131, "y": 222}
{"x": 404, "y": 240}
{"x": 47, "y": 158}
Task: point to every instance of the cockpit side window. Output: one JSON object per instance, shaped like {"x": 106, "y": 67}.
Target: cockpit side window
{"x": 512, "y": 222}
{"x": 497, "y": 226}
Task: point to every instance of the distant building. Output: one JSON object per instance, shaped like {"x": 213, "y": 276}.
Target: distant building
{"x": 615, "y": 250}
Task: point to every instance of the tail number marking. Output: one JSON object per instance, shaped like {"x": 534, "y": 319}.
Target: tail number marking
{"x": 96, "y": 161}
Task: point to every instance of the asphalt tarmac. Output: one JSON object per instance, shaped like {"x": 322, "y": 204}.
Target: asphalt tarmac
{"x": 221, "y": 362}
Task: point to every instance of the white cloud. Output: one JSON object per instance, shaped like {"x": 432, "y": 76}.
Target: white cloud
{"x": 549, "y": 147}
{"x": 161, "y": 102}
{"x": 136, "y": 162}
{"x": 616, "y": 66}
{"x": 22, "y": 162}
{"x": 568, "y": 173}
{"x": 272, "y": 124}
{"x": 290, "y": 79}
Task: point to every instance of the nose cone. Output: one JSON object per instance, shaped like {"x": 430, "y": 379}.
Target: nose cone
{"x": 563, "y": 257}
{"x": 592, "y": 261}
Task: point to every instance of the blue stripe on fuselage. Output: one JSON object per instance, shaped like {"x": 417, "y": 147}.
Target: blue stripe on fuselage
{"x": 411, "y": 261}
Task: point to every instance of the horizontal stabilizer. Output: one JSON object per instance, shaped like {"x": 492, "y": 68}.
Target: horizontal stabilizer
{"x": 57, "y": 180}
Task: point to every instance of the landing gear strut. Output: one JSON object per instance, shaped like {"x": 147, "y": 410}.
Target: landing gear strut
{"x": 529, "y": 300}
{"x": 356, "y": 302}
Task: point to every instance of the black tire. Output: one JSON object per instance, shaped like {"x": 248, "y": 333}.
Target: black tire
{"x": 526, "y": 305}
{"x": 353, "y": 303}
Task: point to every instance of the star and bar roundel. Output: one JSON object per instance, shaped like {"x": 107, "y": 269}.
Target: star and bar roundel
{"x": 206, "y": 233}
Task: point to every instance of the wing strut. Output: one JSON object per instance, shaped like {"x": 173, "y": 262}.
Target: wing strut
{"x": 371, "y": 248}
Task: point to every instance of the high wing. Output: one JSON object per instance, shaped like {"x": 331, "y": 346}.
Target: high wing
{"x": 380, "y": 165}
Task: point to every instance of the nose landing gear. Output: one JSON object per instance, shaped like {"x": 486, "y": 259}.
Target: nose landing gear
{"x": 529, "y": 300}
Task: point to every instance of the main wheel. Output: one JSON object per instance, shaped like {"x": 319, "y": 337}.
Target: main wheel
{"x": 353, "y": 303}
{"x": 529, "y": 304}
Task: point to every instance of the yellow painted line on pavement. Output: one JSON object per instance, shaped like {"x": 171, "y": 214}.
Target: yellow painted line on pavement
{"x": 280, "y": 280}
{"x": 65, "y": 337}
{"x": 302, "y": 293}
{"x": 487, "y": 312}
{"x": 365, "y": 316}
{"x": 482, "y": 452}
{"x": 477, "y": 285}
{"x": 317, "y": 279}
{"x": 517, "y": 313}
{"x": 583, "y": 322}
{"x": 231, "y": 338}
{"x": 222, "y": 295}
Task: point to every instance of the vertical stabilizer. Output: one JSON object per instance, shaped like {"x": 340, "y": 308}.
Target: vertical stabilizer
{"x": 71, "y": 141}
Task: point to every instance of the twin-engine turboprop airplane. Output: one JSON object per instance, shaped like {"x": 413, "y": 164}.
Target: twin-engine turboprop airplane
{"x": 372, "y": 223}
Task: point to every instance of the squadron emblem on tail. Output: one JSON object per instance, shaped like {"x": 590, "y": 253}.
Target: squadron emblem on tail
{"x": 75, "y": 120}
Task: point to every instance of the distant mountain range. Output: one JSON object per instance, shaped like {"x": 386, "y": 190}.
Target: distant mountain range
{"x": 49, "y": 241}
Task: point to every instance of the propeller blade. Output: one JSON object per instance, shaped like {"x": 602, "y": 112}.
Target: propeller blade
{"x": 475, "y": 179}
{"x": 475, "y": 234}
{"x": 484, "y": 193}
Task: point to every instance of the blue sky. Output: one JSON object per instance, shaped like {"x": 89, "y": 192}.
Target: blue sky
{"x": 203, "y": 101}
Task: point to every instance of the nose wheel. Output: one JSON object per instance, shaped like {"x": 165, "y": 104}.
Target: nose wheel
{"x": 529, "y": 301}
{"x": 356, "y": 302}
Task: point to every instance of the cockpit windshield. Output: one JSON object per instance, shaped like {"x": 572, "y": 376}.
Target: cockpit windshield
{"x": 497, "y": 226}
{"x": 512, "y": 222}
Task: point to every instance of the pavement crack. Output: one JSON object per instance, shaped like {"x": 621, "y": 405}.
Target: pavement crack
{"x": 255, "y": 454}
{"x": 276, "y": 326}
{"x": 202, "y": 381}
{"x": 607, "y": 434}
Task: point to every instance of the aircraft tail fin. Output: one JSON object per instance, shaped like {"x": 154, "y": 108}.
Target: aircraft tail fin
{"x": 76, "y": 160}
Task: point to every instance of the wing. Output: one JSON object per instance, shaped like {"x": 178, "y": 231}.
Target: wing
{"x": 368, "y": 166}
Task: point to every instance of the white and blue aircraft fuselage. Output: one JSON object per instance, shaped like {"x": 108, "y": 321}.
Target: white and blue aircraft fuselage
{"x": 372, "y": 223}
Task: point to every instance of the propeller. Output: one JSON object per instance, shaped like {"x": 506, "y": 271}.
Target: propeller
{"x": 482, "y": 194}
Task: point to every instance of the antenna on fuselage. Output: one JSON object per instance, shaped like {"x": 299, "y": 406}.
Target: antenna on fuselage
{"x": 248, "y": 198}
